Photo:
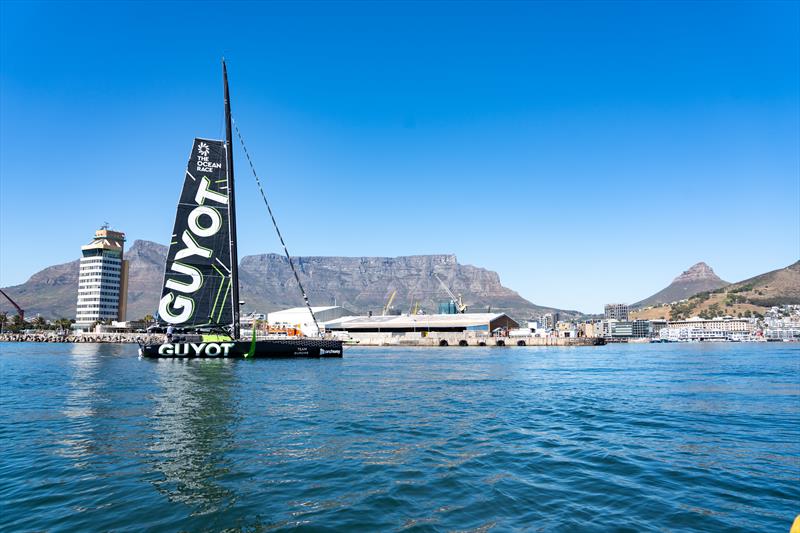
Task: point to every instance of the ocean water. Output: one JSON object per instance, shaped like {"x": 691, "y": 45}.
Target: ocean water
{"x": 699, "y": 437}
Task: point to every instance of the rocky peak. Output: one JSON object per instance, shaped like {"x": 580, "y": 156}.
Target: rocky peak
{"x": 699, "y": 271}
{"x": 146, "y": 250}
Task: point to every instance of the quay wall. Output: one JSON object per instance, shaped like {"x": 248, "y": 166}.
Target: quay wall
{"x": 464, "y": 339}
{"x": 360, "y": 339}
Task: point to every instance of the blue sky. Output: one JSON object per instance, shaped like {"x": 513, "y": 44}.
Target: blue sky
{"x": 587, "y": 152}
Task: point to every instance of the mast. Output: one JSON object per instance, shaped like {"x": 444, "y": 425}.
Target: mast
{"x": 231, "y": 206}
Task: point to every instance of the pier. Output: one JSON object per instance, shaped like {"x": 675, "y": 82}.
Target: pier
{"x": 355, "y": 339}
{"x": 462, "y": 339}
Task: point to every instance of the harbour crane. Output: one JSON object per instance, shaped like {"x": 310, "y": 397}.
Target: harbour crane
{"x": 415, "y": 304}
{"x": 459, "y": 303}
{"x": 20, "y": 311}
{"x": 389, "y": 303}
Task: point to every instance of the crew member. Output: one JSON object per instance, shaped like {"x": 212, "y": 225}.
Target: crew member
{"x": 170, "y": 330}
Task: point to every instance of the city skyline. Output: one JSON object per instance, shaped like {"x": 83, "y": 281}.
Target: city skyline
{"x": 542, "y": 146}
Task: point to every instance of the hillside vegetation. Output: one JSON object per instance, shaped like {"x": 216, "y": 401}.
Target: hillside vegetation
{"x": 751, "y": 297}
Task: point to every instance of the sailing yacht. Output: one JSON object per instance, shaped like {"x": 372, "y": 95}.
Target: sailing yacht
{"x": 200, "y": 292}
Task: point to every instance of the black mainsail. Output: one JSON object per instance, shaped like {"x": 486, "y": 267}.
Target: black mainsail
{"x": 198, "y": 278}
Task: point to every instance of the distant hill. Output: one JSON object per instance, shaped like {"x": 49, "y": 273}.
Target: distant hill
{"x": 52, "y": 292}
{"x": 698, "y": 278}
{"x": 147, "y": 261}
{"x": 778, "y": 287}
{"x": 361, "y": 284}
{"x": 744, "y": 298}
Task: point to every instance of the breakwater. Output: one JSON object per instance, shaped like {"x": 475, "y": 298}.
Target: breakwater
{"x": 83, "y": 338}
{"x": 368, "y": 339}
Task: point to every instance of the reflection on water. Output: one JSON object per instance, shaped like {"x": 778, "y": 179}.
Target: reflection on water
{"x": 652, "y": 438}
{"x": 192, "y": 417}
{"x": 88, "y": 397}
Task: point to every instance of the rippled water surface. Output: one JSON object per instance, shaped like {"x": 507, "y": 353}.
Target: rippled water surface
{"x": 637, "y": 437}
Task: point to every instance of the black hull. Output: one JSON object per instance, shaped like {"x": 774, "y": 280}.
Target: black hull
{"x": 272, "y": 348}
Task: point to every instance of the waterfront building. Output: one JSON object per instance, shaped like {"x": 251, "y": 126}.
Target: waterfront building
{"x": 549, "y": 321}
{"x": 784, "y": 333}
{"x": 700, "y": 329}
{"x": 535, "y": 329}
{"x": 592, "y": 329}
{"x": 724, "y": 323}
{"x": 606, "y": 326}
{"x": 620, "y": 329}
{"x": 641, "y": 329}
{"x": 460, "y": 322}
{"x": 627, "y": 329}
{"x": 688, "y": 334}
{"x": 616, "y": 311}
{"x": 566, "y": 330}
{"x": 656, "y": 326}
{"x": 102, "y": 279}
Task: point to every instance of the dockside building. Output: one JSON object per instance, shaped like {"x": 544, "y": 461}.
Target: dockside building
{"x": 616, "y": 312}
{"x": 102, "y": 279}
{"x": 477, "y": 322}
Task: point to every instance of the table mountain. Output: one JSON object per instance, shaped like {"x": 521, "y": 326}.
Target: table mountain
{"x": 364, "y": 284}
{"x": 361, "y": 284}
{"x": 698, "y": 278}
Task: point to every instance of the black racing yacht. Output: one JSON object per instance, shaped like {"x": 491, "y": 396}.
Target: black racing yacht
{"x": 200, "y": 295}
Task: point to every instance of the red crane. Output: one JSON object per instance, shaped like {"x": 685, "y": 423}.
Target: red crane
{"x": 20, "y": 310}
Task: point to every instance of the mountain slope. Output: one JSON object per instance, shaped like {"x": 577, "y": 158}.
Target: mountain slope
{"x": 698, "y": 278}
{"x": 752, "y": 296}
{"x": 146, "y": 274}
{"x": 778, "y": 287}
{"x": 361, "y": 284}
{"x": 52, "y": 292}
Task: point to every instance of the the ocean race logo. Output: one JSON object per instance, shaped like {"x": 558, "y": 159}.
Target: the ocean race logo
{"x": 202, "y": 224}
{"x": 204, "y": 163}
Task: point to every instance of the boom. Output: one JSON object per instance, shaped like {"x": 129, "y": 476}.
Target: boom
{"x": 389, "y": 303}
{"x": 460, "y": 307}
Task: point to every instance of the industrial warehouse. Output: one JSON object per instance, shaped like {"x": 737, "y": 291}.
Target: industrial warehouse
{"x": 444, "y": 329}
{"x": 451, "y": 323}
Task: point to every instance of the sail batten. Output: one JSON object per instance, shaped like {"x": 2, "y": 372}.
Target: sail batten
{"x": 197, "y": 278}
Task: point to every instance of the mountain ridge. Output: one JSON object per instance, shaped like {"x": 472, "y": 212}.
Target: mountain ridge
{"x": 360, "y": 284}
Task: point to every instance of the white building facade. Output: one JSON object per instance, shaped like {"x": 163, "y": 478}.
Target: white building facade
{"x": 102, "y": 279}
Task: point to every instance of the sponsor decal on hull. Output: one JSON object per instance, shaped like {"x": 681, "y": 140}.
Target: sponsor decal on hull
{"x": 200, "y": 349}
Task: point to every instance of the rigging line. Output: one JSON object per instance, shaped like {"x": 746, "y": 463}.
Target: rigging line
{"x": 275, "y": 223}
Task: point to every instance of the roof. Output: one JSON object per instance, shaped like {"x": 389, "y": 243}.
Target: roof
{"x": 305, "y": 309}
{"x": 415, "y": 321}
